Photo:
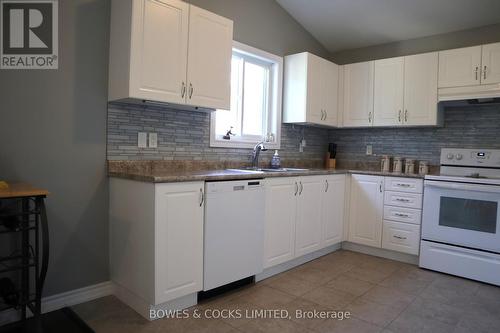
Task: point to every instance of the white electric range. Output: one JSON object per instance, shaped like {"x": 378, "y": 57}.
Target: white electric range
{"x": 461, "y": 215}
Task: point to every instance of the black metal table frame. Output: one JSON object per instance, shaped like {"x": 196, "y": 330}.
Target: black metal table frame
{"x": 40, "y": 267}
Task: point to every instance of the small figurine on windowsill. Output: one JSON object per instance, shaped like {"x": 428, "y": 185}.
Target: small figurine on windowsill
{"x": 228, "y": 134}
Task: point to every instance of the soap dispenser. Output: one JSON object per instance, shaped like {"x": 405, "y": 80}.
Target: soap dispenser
{"x": 275, "y": 161}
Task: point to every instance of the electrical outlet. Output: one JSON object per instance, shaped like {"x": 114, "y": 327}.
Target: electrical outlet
{"x": 153, "y": 140}
{"x": 369, "y": 150}
{"x": 303, "y": 142}
{"x": 142, "y": 140}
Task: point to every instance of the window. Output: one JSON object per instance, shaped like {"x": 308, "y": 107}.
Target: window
{"x": 255, "y": 115}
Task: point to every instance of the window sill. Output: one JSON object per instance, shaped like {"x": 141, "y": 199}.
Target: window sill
{"x": 241, "y": 144}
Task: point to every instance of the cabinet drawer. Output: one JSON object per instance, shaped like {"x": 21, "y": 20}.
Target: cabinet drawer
{"x": 404, "y": 184}
{"x": 400, "y": 214}
{"x": 401, "y": 237}
{"x": 401, "y": 199}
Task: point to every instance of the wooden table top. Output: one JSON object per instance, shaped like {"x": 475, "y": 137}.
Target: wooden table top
{"x": 17, "y": 190}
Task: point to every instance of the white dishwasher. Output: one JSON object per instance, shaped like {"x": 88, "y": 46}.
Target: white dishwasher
{"x": 234, "y": 231}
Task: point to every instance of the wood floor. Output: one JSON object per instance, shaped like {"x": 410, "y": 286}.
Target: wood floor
{"x": 381, "y": 295}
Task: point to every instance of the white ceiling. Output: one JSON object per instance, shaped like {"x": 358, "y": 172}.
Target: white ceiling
{"x": 348, "y": 24}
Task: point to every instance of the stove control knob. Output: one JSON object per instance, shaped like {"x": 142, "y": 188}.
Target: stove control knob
{"x": 449, "y": 156}
{"x": 458, "y": 156}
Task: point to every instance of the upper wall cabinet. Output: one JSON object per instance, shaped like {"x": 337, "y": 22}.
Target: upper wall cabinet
{"x": 310, "y": 90}
{"x": 169, "y": 51}
{"x": 358, "y": 94}
{"x": 469, "y": 66}
{"x": 406, "y": 91}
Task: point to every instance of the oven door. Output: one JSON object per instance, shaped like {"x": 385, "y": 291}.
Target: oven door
{"x": 462, "y": 214}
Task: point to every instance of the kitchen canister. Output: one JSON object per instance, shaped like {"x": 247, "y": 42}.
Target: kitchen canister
{"x": 409, "y": 166}
{"x": 397, "y": 165}
{"x": 385, "y": 163}
{"x": 423, "y": 168}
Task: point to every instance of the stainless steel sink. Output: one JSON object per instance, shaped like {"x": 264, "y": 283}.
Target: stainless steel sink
{"x": 253, "y": 170}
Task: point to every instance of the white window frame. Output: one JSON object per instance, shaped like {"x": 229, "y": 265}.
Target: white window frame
{"x": 275, "y": 100}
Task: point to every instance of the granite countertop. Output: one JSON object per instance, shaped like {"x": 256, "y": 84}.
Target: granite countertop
{"x": 166, "y": 176}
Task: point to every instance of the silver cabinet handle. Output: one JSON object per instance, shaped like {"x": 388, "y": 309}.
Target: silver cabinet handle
{"x": 403, "y": 185}
{"x": 398, "y": 237}
{"x": 322, "y": 114}
{"x": 399, "y": 116}
{"x": 369, "y": 117}
{"x": 402, "y": 200}
{"x": 183, "y": 89}
{"x": 406, "y": 116}
{"x": 476, "y": 71}
{"x": 202, "y": 197}
{"x": 401, "y": 215}
{"x": 380, "y": 187}
{"x": 296, "y": 189}
{"x": 484, "y": 72}
{"x": 191, "y": 89}
{"x": 327, "y": 185}
{"x": 301, "y": 188}
{"x": 326, "y": 114}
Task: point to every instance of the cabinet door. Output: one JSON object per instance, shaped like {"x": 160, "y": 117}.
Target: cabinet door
{"x": 333, "y": 210}
{"x": 315, "y": 86}
{"x": 159, "y": 50}
{"x": 491, "y": 64}
{"x": 358, "y": 94}
{"x": 279, "y": 235}
{"x": 420, "y": 90}
{"x": 308, "y": 223}
{"x": 388, "y": 92}
{"x": 178, "y": 240}
{"x": 366, "y": 210}
{"x": 330, "y": 92}
{"x": 209, "y": 60}
{"x": 459, "y": 67}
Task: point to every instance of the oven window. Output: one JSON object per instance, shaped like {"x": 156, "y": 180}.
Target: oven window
{"x": 478, "y": 215}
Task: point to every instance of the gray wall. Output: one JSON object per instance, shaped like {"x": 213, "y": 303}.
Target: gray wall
{"x": 265, "y": 25}
{"x": 483, "y": 35}
{"x": 53, "y": 134}
{"x": 464, "y": 127}
{"x": 184, "y": 135}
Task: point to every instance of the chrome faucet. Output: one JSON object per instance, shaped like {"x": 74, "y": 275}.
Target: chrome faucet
{"x": 256, "y": 152}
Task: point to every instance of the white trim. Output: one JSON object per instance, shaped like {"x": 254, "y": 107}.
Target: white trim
{"x": 383, "y": 253}
{"x": 69, "y": 298}
{"x": 277, "y": 76}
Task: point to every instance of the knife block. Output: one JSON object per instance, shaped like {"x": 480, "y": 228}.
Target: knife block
{"x": 330, "y": 163}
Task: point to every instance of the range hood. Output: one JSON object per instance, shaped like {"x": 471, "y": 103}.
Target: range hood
{"x": 479, "y": 94}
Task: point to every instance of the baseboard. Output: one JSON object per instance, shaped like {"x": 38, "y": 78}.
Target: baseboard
{"x": 280, "y": 268}
{"x": 383, "y": 253}
{"x": 59, "y": 301}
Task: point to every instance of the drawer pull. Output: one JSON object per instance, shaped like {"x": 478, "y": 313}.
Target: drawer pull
{"x": 402, "y": 200}
{"x": 403, "y": 185}
{"x": 398, "y": 237}
{"x": 401, "y": 215}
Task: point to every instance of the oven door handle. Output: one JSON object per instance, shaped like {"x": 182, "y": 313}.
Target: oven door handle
{"x": 462, "y": 186}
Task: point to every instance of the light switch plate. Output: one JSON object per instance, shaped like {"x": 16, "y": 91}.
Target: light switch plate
{"x": 153, "y": 140}
{"x": 369, "y": 150}
{"x": 142, "y": 140}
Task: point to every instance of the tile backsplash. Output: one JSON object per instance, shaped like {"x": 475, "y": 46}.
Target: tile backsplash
{"x": 464, "y": 127}
{"x": 185, "y": 135}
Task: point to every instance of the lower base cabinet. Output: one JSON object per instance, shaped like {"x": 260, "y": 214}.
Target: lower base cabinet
{"x": 303, "y": 215}
{"x": 156, "y": 239}
{"x": 401, "y": 237}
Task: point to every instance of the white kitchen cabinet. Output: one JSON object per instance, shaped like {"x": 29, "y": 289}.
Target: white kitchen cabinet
{"x": 279, "y": 235}
{"x": 490, "y": 63}
{"x": 358, "y": 94}
{"x": 178, "y": 240}
{"x": 169, "y": 51}
{"x": 333, "y": 210}
{"x": 460, "y": 67}
{"x": 310, "y": 90}
{"x": 401, "y": 237}
{"x": 366, "y": 210}
{"x": 420, "y": 90}
{"x": 309, "y": 215}
{"x": 156, "y": 241}
{"x": 388, "y": 92}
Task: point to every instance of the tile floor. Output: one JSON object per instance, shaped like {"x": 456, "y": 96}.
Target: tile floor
{"x": 382, "y": 296}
